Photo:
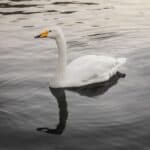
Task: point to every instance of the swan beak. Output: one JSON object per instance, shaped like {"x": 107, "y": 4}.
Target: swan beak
{"x": 42, "y": 35}
{"x": 37, "y": 36}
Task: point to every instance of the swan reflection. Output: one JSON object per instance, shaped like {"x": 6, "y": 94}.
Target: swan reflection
{"x": 60, "y": 96}
{"x": 89, "y": 90}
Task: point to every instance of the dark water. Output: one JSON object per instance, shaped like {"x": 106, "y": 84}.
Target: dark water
{"x": 111, "y": 116}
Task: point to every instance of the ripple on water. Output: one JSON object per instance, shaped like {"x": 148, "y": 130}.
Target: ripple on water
{"x": 74, "y": 2}
{"x": 7, "y": 5}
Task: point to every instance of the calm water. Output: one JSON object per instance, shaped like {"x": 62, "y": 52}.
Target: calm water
{"x": 110, "y": 116}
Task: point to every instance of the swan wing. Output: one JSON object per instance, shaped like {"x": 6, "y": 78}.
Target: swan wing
{"x": 91, "y": 69}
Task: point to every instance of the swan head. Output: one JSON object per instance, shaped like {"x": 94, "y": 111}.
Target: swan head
{"x": 52, "y": 33}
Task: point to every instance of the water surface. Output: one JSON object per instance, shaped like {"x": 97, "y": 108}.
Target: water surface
{"x": 111, "y": 116}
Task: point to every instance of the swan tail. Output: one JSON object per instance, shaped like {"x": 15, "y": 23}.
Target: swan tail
{"x": 121, "y": 61}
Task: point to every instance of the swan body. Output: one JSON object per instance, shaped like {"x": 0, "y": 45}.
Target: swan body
{"x": 87, "y": 70}
{"x": 82, "y": 71}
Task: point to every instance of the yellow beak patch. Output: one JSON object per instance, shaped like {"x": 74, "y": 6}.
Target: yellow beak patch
{"x": 44, "y": 34}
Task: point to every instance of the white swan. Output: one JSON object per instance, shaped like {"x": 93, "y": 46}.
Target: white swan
{"x": 83, "y": 70}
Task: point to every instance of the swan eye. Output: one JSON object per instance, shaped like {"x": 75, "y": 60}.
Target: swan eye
{"x": 50, "y": 30}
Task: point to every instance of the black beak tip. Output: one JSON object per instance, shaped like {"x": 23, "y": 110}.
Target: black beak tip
{"x": 37, "y": 36}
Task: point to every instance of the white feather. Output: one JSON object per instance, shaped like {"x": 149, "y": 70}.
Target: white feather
{"x": 83, "y": 70}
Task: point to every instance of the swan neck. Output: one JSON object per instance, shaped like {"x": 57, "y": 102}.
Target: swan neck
{"x": 62, "y": 58}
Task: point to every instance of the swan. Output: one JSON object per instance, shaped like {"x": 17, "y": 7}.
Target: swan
{"x": 85, "y": 70}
